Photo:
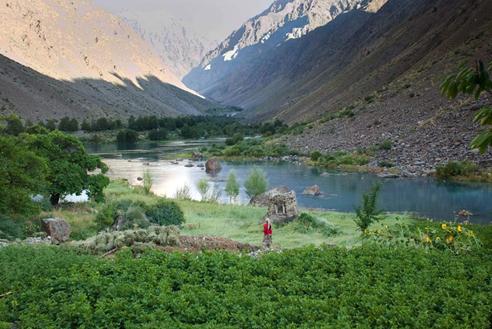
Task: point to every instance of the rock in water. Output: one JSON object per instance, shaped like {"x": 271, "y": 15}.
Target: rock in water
{"x": 58, "y": 229}
{"x": 312, "y": 190}
{"x": 213, "y": 166}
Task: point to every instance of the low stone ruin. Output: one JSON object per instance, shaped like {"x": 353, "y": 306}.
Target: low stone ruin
{"x": 281, "y": 203}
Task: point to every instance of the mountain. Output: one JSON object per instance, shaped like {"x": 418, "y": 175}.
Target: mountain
{"x": 283, "y": 21}
{"x": 177, "y": 46}
{"x": 72, "y": 58}
{"x": 363, "y": 78}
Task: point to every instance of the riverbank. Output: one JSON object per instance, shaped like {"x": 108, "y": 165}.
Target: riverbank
{"x": 235, "y": 222}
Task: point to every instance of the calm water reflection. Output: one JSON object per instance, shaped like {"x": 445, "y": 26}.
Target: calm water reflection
{"x": 341, "y": 191}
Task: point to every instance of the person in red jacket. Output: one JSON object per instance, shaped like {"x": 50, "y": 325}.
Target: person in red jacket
{"x": 267, "y": 234}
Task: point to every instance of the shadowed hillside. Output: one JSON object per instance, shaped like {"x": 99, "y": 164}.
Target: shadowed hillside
{"x": 37, "y": 96}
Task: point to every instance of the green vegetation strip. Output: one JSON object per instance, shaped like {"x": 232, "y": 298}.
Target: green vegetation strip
{"x": 366, "y": 287}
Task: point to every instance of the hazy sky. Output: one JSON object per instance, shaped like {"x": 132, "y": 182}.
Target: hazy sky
{"x": 214, "y": 19}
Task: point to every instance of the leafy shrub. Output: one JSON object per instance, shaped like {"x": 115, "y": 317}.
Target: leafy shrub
{"x": 455, "y": 168}
{"x": 316, "y": 155}
{"x": 385, "y": 145}
{"x": 235, "y": 139}
{"x": 132, "y": 212}
{"x": 10, "y": 229}
{"x": 343, "y": 159}
{"x": 455, "y": 237}
{"x": 386, "y": 164}
{"x": 367, "y": 213}
{"x": 302, "y": 288}
{"x": 165, "y": 213}
{"x": 306, "y": 223}
{"x": 256, "y": 183}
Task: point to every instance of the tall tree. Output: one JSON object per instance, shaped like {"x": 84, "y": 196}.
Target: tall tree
{"x": 71, "y": 170}
{"x": 22, "y": 175}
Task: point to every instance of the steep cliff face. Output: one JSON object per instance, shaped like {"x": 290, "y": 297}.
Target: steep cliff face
{"x": 180, "y": 48}
{"x": 80, "y": 44}
{"x": 283, "y": 21}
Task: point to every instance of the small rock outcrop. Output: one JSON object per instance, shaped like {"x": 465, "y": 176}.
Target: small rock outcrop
{"x": 312, "y": 190}
{"x": 212, "y": 166}
{"x": 281, "y": 203}
{"x": 56, "y": 228}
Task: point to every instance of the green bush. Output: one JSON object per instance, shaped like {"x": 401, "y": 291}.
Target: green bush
{"x": 164, "y": 213}
{"x": 306, "y": 223}
{"x": 133, "y": 213}
{"x": 365, "y": 287}
{"x": 235, "y": 139}
{"x": 315, "y": 156}
{"x": 454, "y": 169}
{"x": 385, "y": 145}
{"x": 10, "y": 229}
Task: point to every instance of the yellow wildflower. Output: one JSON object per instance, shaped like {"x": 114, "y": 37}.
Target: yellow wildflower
{"x": 449, "y": 239}
{"x": 444, "y": 226}
{"x": 459, "y": 229}
{"x": 427, "y": 239}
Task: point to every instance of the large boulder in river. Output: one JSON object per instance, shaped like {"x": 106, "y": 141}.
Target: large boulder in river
{"x": 212, "y": 166}
{"x": 56, "y": 228}
{"x": 312, "y": 190}
{"x": 281, "y": 203}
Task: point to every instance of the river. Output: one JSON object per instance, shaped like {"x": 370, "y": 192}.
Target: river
{"x": 423, "y": 196}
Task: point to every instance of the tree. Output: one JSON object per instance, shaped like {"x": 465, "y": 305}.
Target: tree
{"x": 157, "y": 134}
{"x": 203, "y": 188}
{"x": 85, "y": 126}
{"x": 70, "y": 167}
{"x": 368, "y": 213}
{"x": 256, "y": 183}
{"x": 232, "y": 187}
{"x": 12, "y": 125}
{"x": 22, "y": 175}
{"x": 127, "y": 136}
{"x": 473, "y": 82}
{"x": 67, "y": 124}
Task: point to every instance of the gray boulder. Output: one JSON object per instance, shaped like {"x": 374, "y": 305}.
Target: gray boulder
{"x": 212, "y": 166}
{"x": 56, "y": 228}
{"x": 312, "y": 190}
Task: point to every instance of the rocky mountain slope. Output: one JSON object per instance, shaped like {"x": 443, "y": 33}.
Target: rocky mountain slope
{"x": 283, "y": 21}
{"x": 369, "y": 76}
{"x": 177, "y": 46}
{"x": 88, "y": 59}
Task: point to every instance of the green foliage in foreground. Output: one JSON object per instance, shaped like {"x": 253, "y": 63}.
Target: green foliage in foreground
{"x": 22, "y": 174}
{"x": 367, "y": 287}
{"x": 473, "y": 81}
{"x": 368, "y": 213}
